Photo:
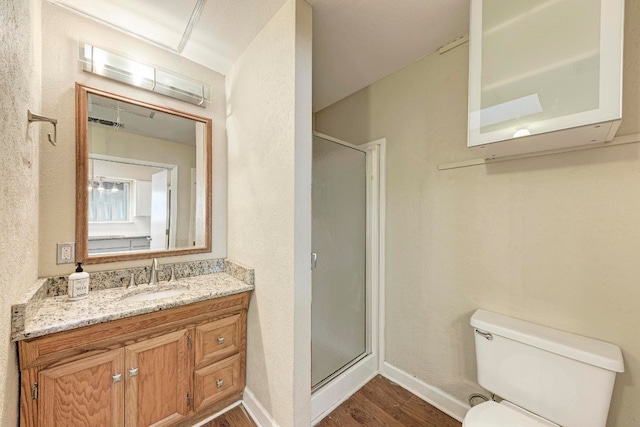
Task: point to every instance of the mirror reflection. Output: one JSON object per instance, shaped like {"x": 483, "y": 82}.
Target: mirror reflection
{"x": 146, "y": 179}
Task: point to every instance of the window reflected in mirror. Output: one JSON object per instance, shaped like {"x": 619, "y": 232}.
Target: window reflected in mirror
{"x": 109, "y": 200}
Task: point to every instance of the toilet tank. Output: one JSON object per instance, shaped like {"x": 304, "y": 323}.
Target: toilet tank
{"x": 565, "y": 378}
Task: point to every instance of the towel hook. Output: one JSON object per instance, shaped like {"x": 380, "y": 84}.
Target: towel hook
{"x": 36, "y": 118}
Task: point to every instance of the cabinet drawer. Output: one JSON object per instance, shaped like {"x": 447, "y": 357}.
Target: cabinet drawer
{"x": 214, "y": 382}
{"x": 217, "y": 340}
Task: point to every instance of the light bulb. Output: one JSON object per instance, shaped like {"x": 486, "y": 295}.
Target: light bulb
{"x": 521, "y": 132}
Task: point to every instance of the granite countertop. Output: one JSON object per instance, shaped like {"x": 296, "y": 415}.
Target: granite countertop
{"x": 58, "y": 313}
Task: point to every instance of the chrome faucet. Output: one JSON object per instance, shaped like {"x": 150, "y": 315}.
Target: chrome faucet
{"x": 132, "y": 281}
{"x": 154, "y": 272}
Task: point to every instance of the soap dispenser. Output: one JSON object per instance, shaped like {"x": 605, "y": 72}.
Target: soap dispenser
{"x": 78, "y": 284}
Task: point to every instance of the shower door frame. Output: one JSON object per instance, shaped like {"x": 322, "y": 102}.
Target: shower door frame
{"x": 338, "y": 387}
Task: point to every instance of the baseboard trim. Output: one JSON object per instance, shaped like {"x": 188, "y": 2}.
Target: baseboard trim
{"x": 436, "y": 397}
{"x": 256, "y": 411}
{"x": 329, "y": 397}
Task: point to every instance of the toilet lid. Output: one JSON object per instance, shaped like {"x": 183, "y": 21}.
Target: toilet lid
{"x": 493, "y": 414}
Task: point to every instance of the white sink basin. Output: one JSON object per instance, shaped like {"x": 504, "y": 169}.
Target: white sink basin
{"x": 155, "y": 294}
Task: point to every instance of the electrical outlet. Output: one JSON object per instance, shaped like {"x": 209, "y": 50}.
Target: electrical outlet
{"x": 66, "y": 253}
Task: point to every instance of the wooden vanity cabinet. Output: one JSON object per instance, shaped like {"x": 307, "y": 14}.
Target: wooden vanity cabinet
{"x": 169, "y": 368}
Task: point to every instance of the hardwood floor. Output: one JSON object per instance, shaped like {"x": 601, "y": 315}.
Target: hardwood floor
{"x": 383, "y": 403}
{"x": 237, "y": 417}
{"x": 380, "y": 403}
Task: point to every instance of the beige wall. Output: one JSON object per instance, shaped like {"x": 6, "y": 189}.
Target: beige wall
{"x": 553, "y": 240}
{"x": 269, "y": 131}
{"x": 19, "y": 147}
{"x": 61, "y": 32}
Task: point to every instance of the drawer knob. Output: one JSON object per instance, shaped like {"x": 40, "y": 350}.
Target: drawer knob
{"x": 133, "y": 372}
{"x": 220, "y": 340}
{"x": 219, "y": 383}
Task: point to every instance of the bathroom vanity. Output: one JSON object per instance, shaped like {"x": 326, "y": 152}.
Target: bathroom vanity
{"x": 142, "y": 349}
{"x": 170, "y": 361}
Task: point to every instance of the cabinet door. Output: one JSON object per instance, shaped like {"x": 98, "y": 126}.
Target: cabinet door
{"x": 158, "y": 380}
{"x": 140, "y": 244}
{"x": 86, "y": 392}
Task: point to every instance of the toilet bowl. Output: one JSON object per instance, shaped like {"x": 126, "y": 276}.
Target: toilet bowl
{"x": 548, "y": 378}
{"x": 503, "y": 414}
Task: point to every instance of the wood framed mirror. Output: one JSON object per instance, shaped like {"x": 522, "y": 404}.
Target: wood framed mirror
{"x": 143, "y": 179}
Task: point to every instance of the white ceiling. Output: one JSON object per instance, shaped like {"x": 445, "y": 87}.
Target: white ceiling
{"x": 355, "y": 42}
{"x": 141, "y": 120}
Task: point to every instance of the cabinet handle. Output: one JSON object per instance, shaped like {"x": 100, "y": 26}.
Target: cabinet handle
{"x": 133, "y": 372}
{"x": 117, "y": 378}
{"x": 219, "y": 383}
{"x": 220, "y": 340}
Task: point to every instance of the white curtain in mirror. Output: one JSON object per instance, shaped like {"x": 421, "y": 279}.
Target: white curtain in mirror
{"x": 109, "y": 201}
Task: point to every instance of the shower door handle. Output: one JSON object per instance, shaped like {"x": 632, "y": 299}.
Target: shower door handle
{"x": 314, "y": 260}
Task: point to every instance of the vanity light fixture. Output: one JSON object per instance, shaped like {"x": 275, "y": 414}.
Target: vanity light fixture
{"x": 118, "y": 67}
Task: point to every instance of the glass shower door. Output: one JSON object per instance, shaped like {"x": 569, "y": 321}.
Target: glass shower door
{"x": 339, "y": 220}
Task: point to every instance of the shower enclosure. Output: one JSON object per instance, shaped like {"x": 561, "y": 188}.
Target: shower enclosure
{"x": 347, "y": 314}
{"x": 339, "y": 259}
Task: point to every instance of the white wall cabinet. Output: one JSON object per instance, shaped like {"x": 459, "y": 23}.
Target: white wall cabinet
{"x": 544, "y": 75}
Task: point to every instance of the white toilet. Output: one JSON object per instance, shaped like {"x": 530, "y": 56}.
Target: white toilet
{"x": 547, "y": 377}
